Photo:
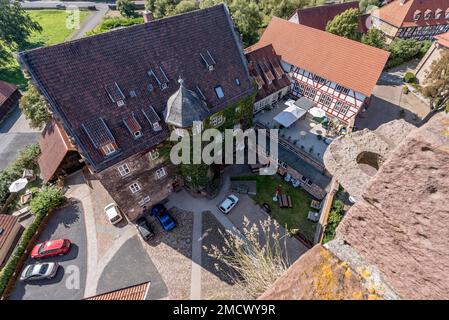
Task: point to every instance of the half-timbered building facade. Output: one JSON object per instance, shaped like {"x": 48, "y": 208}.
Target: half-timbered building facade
{"x": 412, "y": 19}
{"x": 336, "y": 73}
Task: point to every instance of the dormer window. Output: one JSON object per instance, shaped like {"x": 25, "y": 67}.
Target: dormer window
{"x": 153, "y": 118}
{"x": 133, "y": 93}
{"x": 417, "y": 15}
{"x": 154, "y": 154}
{"x": 427, "y": 14}
{"x": 160, "y": 76}
{"x": 115, "y": 94}
{"x": 447, "y": 14}
{"x": 219, "y": 92}
{"x": 438, "y": 14}
{"x": 208, "y": 60}
{"x": 237, "y": 82}
{"x": 133, "y": 126}
{"x": 108, "y": 149}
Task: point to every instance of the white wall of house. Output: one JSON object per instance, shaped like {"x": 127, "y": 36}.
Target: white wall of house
{"x": 338, "y": 101}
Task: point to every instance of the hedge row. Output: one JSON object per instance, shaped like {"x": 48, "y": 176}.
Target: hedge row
{"x": 27, "y": 159}
{"x": 44, "y": 202}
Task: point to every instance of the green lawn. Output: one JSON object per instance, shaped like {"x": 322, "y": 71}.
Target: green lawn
{"x": 53, "y": 23}
{"x": 293, "y": 218}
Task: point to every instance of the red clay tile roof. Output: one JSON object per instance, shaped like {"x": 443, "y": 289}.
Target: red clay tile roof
{"x": 443, "y": 39}
{"x": 6, "y": 90}
{"x": 75, "y": 75}
{"x": 346, "y": 62}
{"x": 318, "y": 17}
{"x": 265, "y": 58}
{"x": 402, "y": 15}
{"x": 137, "y": 292}
{"x": 54, "y": 145}
{"x": 7, "y": 224}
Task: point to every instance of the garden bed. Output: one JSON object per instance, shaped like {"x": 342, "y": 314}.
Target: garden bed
{"x": 294, "y": 218}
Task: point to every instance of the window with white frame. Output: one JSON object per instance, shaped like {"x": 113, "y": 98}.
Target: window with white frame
{"x": 217, "y": 120}
{"x": 144, "y": 200}
{"x": 108, "y": 149}
{"x": 325, "y": 100}
{"x": 219, "y": 92}
{"x": 310, "y": 93}
{"x": 135, "y": 187}
{"x": 427, "y": 15}
{"x": 447, "y": 14}
{"x": 160, "y": 173}
{"x": 345, "y": 108}
{"x": 341, "y": 107}
{"x": 123, "y": 169}
{"x": 154, "y": 154}
{"x": 341, "y": 89}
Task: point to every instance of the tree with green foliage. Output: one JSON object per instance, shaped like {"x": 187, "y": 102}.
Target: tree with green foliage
{"x": 186, "y": 6}
{"x": 248, "y": 20}
{"x": 403, "y": 50}
{"x": 35, "y": 108}
{"x": 197, "y": 176}
{"x": 46, "y": 200}
{"x": 5, "y": 55}
{"x": 109, "y": 24}
{"x": 437, "y": 84}
{"x": 336, "y": 214}
{"x": 366, "y": 5}
{"x": 126, "y": 8}
{"x": 15, "y": 24}
{"x": 161, "y": 8}
{"x": 346, "y": 24}
{"x": 374, "y": 38}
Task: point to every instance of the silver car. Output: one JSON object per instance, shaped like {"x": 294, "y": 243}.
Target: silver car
{"x": 39, "y": 271}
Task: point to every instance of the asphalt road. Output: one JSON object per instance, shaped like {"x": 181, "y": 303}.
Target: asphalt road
{"x": 70, "y": 280}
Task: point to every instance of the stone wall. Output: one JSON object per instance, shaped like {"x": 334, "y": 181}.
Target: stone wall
{"x": 143, "y": 171}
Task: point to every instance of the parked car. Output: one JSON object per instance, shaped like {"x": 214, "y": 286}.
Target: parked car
{"x": 39, "y": 271}
{"x": 113, "y": 213}
{"x": 50, "y": 249}
{"x": 144, "y": 228}
{"x": 228, "y": 203}
{"x": 164, "y": 217}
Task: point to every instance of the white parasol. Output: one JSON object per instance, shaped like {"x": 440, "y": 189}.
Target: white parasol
{"x": 18, "y": 185}
{"x": 317, "y": 112}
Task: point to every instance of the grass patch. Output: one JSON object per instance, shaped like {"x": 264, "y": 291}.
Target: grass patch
{"x": 53, "y": 23}
{"x": 293, "y": 218}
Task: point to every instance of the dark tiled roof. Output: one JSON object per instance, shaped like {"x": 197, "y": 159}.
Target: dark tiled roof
{"x": 145, "y": 62}
{"x": 98, "y": 132}
{"x": 6, "y": 90}
{"x": 265, "y": 68}
{"x": 318, "y": 17}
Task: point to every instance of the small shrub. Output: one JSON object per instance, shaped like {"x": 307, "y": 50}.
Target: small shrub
{"x": 46, "y": 200}
{"x": 409, "y": 77}
{"x": 405, "y": 89}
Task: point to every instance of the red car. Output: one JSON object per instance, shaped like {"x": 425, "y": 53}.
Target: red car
{"x": 51, "y": 248}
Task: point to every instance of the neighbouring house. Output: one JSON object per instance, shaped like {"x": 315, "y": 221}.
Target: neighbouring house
{"x": 9, "y": 98}
{"x": 118, "y": 94}
{"x": 412, "y": 19}
{"x": 136, "y": 292}
{"x": 438, "y": 47}
{"x": 318, "y": 17}
{"x": 337, "y": 73}
{"x": 10, "y": 231}
{"x": 59, "y": 156}
{"x": 271, "y": 80}
{"x": 392, "y": 243}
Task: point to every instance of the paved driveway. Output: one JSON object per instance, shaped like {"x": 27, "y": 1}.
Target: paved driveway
{"x": 70, "y": 280}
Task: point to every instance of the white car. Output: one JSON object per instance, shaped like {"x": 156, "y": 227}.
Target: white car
{"x": 39, "y": 271}
{"x": 113, "y": 213}
{"x": 228, "y": 203}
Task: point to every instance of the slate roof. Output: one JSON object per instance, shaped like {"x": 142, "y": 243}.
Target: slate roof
{"x": 318, "y": 17}
{"x": 349, "y": 63}
{"x": 184, "y": 107}
{"x": 402, "y": 15}
{"x": 264, "y": 66}
{"x": 138, "y": 60}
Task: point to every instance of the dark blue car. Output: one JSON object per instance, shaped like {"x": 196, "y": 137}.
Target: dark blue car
{"x": 164, "y": 217}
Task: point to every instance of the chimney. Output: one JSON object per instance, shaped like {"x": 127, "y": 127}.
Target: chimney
{"x": 148, "y": 16}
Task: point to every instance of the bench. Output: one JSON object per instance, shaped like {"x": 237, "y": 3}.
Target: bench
{"x": 285, "y": 201}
